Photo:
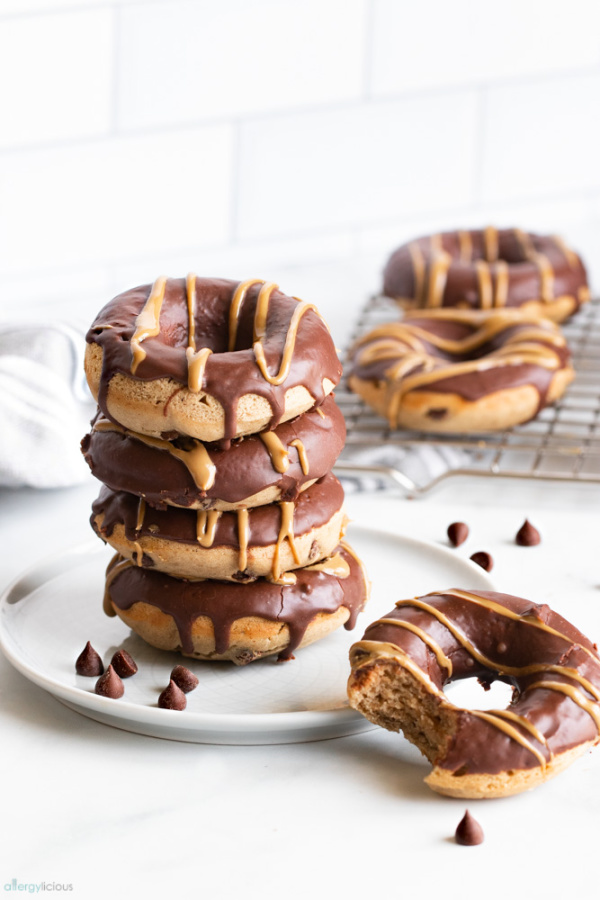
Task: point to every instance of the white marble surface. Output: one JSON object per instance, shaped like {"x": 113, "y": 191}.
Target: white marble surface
{"x": 110, "y": 811}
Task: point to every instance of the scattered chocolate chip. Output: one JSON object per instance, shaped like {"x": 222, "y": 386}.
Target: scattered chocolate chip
{"x": 469, "y": 832}
{"x": 483, "y": 559}
{"x": 184, "y": 679}
{"x": 88, "y": 662}
{"x": 110, "y": 685}
{"x": 172, "y": 697}
{"x": 527, "y": 535}
{"x": 458, "y": 532}
{"x": 124, "y": 664}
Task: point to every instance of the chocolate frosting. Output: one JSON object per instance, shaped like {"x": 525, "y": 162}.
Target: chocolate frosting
{"x": 126, "y": 462}
{"x": 520, "y": 267}
{"x": 553, "y": 668}
{"x": 295, "y": 605}
{"x": 314, "y": 507}
{"x": 228, "y": 375}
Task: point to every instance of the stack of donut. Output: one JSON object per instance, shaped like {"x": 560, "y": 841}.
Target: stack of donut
{"x": 478, "y": 349}
{"x": 215, "y": 437}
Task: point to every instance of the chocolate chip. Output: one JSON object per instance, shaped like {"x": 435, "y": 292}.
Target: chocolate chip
{"x": 88, "y": 662}
{"x": 314, "y": 551}
{"x": 437, "y": 414}
{"x": 184, "y": 679}
{"x": 458, "y": 532}
{"x": 147, "y": 561}
{"x": 469, "y": 832}
{"x": 172, "y": 697}
{"x": 484, "y": 560}
{"x": 110, "y": 685}
{"x": 527, "y": 535}
{"x": 124, "y": 664}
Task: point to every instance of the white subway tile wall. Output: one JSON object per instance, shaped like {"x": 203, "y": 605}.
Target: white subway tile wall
{"x": 295, "y": 141}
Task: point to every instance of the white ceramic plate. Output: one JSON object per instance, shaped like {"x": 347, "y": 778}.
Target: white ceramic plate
{"x": 49, "y": 613}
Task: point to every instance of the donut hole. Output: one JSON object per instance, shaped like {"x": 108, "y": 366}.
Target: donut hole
{"x": 469, "y": 693}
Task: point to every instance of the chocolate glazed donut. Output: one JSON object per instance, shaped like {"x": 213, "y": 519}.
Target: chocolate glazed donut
{"x": 488, "y": 269}
{"x": 240, "y": 545}
{"x": 220, "y": 620}
{"x": 253, "y": 471}
{"x": 405, "y": 659}
{"x": 453, "y": 371}
{"x": 208, "y": 358}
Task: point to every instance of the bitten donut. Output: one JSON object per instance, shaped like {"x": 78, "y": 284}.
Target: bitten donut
{"x": 450, "y": 370}
{"x": 253, "y": 471}
{"x": 240, "y": 545}
{"x": 404, "y": 661}
{"x": 208, "y": 358}
{"x": 488, "y": 268}
{"x": 221, "y": 620}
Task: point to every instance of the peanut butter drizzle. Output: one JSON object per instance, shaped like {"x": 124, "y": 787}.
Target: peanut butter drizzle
{"x": 484, "y": 279}
{"x": 278, "y": 453}
{"x": 502, "y": 280}
{"x": 441, "y": 657}
{"x": 418, "y": 262}
{"x": 196, "y": 359}
{"x": 236, "y": 305}
{"x": 206, "y": 526}
{"x": 302, "y": 455}
{"x": 438, "y": 275}
{"x": 570, "y": 255}
{"x": 320, "y": 411}
{"x": 243, "y": 537}
{"x": 490, "y": 240}
{"x": 334, "y": 565}
{"x": 286, "y": 532}
{"x": 524, "y": 723}
{"x": 259, "y": 328}
{"x": 140, "y": 516}
{"x": 147, "y": 323}
{"x": 542, "y": 262}
{"x": 197, "y": 460}
{"x": 466, "y": 246}
{"x": 115, "y": 567}
{"x": 590, "y": 706}
{"x": 511, "y": 731}
{"x": 288, "y": 349}
{"x": 436, "y": 243}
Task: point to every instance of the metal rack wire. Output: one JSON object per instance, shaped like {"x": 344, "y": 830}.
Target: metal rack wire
{"x": 561, "y": 444}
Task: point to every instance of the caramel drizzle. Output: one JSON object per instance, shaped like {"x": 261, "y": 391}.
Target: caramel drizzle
{"x": 277, "y": 451}
{"x": 197, "y": 460}
{"x": 206, "y": 526}
{"x": 147, "y": 323}
{"x": 418, "y": 262}
{"x": 196, "y": 359}
{"x": 236, "y": 305}
{"x": 302, "y": 455}
{"x": 466, "y": 246}
{"x": 490, "y": 240}
{"x": 286, "y": 532}
{"x": 441, "y": 657}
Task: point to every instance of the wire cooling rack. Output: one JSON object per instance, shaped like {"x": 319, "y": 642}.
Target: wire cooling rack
{"x": 561, "y": 444}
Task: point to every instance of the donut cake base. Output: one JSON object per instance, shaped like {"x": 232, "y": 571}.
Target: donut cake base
{"x": 224, "y": 621}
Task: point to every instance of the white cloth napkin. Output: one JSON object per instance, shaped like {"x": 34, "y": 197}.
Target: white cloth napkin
{"x": 420, "y": 465}
{"x": 45, "y": 406}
